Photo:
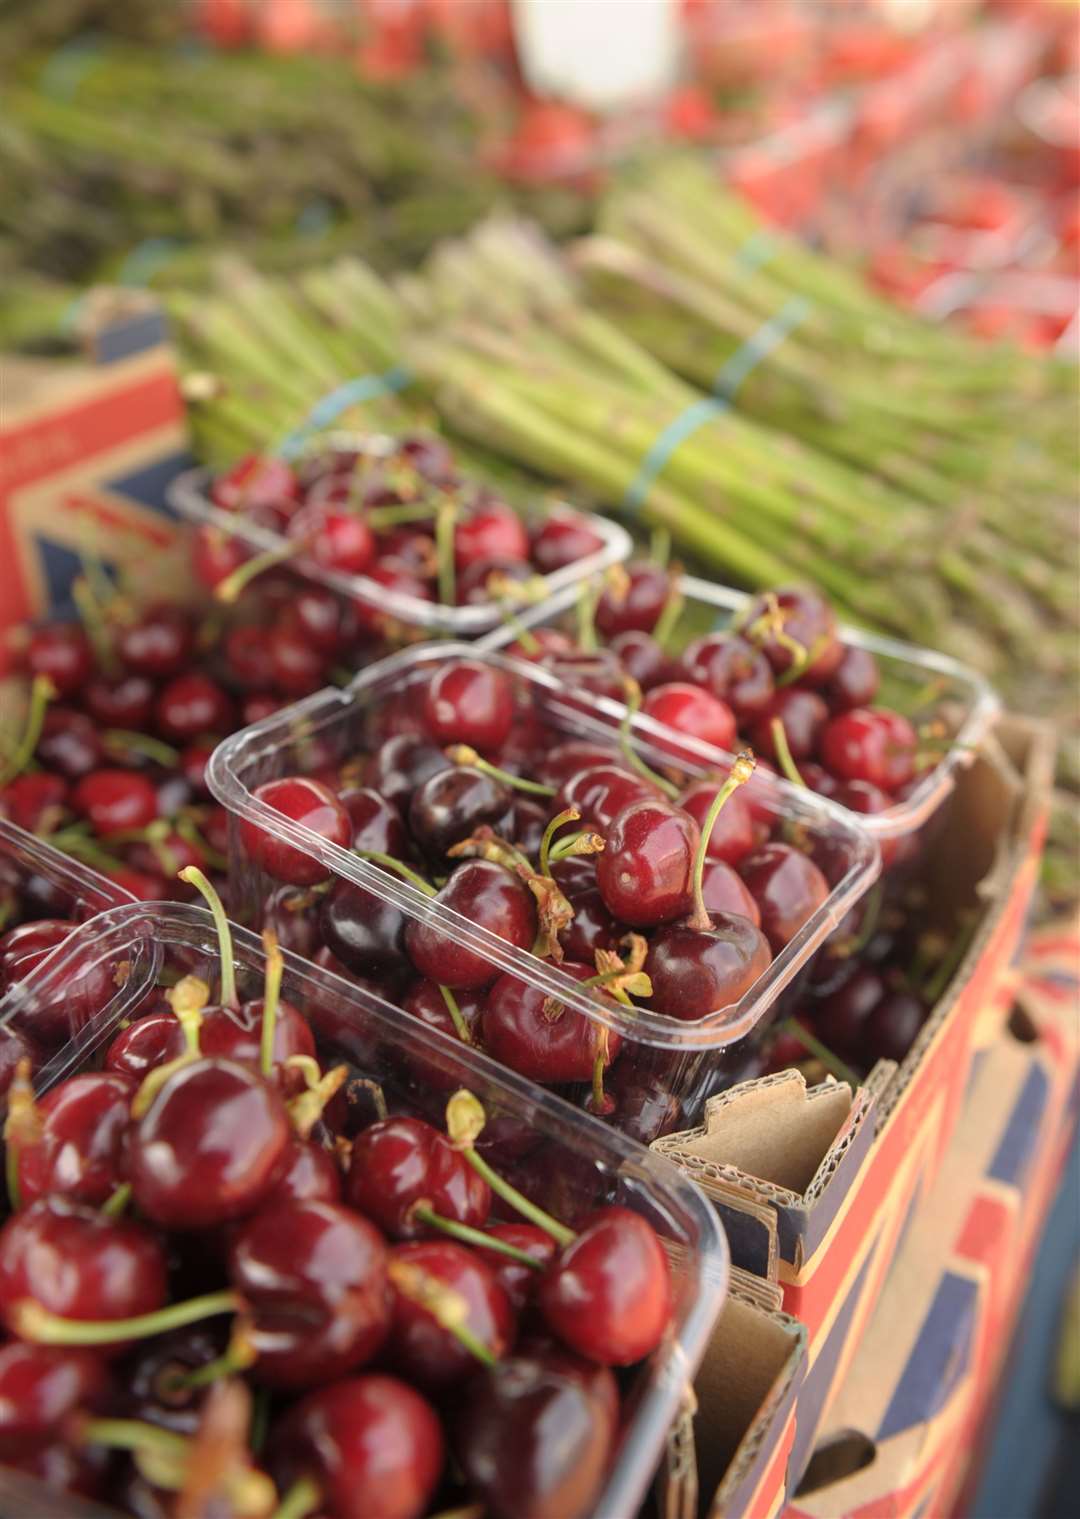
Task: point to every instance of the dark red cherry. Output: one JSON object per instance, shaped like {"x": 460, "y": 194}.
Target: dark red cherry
{"x": 645, "y": 872}
{"x": 335, "y": 540}
{"x": 70, "y": 743}
{"x": 154, "y": 1377}
{"x": 298, "y": 667}
{"x": 412, "y": 546}
{"x": 803, "y": 714}
{"x": 126, "y": 701}
{"x": 312, "y": 806}
{"x": 257, "y": 707}
{"x": 254, "y": 481}
{"x": 726, "y": 892}
{"x": 311, "y": 1175}
{"x": 732, "y": 835}
{"x": 840, "y": 1019}
{"x": 75, "y": 1262}
{"x": 215, "y": 555}
{"x": 400, "y": 1162}
{"x": 377, "y": 823}
{"x": 191, "y": 706}
{"x": 159, "y": 644}
{"x": 690, "y": 710}
{"x": 732, "y": 669}
{"x": 393, "y": 575}
{"x": 364, "y": 932}
{"x": 561, "y": 540}
{"x": 597, "y": 673}
{"x": 645, "y": 1099}
{"x": 41, "y": 1386}
{"x": 467, "y": 702}
{"x": 695, "y": 973}
{"x": 211, "y": 1146}
{"x": 536, "y": 1035}
{"x": 419, "y": 1348}
{"x": 235, "y": 1033}
{"x": 22, "y": 949}
{"x": 517, "y": 1280}
{"x": 430, "y": 456}
{"x": 61, "y": 651}
{"x": 541, "y": 644}
{"x": 870, "y": 744}
{"x": 492, "y": 531}
{"x": 371, "y": 1444}
{"x": 563, "y": 761}
{"x": 115, "y": 801}
{"x": 325, "y": 621}
{"x": 818, "y": 779}
{"x": 602, "y": 791}
{"x": 313, "y": 1278}
{"x": 807, "y": 621}
{"x": 79, "y": 1151}
{"x": 591, "y": 928}
{"x": 854, "y": 682}
{"x": 59, "y": 1467}
{"x": 608, "y": 1294}
{"x": 401, "y": 765}
{"x": 144, "y": 1044}
{"x": 486, "y": 894}
{"x": 424, "y": 1000}
{"x": 788, "y": 888}
{"x": 453, "y": 804}
{"x": 892, "y": 1027}
{"x": 642, "y": 658}
{"x": 487, "y": 580}
{"x": 637, "y": 605}
{"x": 247, "y": 657}
{"x": 528, "y": 823}
{"x": 34, "y": 801}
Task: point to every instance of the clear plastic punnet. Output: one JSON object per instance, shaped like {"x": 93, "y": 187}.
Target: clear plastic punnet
{"x": 925, "y": 684}
{"x": 667, "y": 1065}
{"x": 573, "y": 1163}
{"x": 189, "y": 493}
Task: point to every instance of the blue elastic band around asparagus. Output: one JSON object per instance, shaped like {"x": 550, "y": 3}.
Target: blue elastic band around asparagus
{"x": 364, "y": 387}
{"x": 756, "y": 251}
{"x": 733, "y": 372}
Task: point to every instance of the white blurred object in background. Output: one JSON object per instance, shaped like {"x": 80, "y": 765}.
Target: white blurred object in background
{"x": 601, "y": 54}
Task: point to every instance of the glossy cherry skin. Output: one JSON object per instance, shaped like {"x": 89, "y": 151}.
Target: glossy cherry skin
{"x": 788, "y": 888}
{"x": 313, "y": 1276}
{"x": 732, "y": 834}
{"x": 535, "y": 1035}
{"x": 854, "y": 682}
{"x": 69, "y": 744}
{"x": 891, "y": 1028}
{"x": 467, "y": 702}
{"x": 159, "y": 644}
{"x": 235, "y": 1033}
{"x": 493, "y": 531}
{"x": 808, "y": 620}
{"x": 563, "y": 761}
{"x": 517, "y": 1280}
{"x": 425, "y": 1002}
{"x": 191, "y": 706}
{"x": 393, "y": 575}
{"x": 402, "y": 764}
{"x": 115, "y": 801}
{"x": 608, "y": 1294}
{"x": 372, "y": 1445}
{"x": 124, "y": 702}
{"x": 597, "y": 673}
{"x": 313, "y": 806}
{"x": 41, "y": 1386}
{"x": 484, "y": 893}
{"x": 453, "y": 804}
{"x": 600, "y": 792}
{"x": 365, "y": 933}
{"x": 62, "y": 651}
{"x": 22, "y": 949}
{"x": 79, "y": 1153}
{"x": 725, "y": 892}
{"x": 215, "y": 555}
{"x": 149, "y": 1375}
{"x": 643, "y": 659}
{"x": 418, "y": 1347}
{"x": 77, "y": 1263}
{"x": 640, "y": 607}
{"x": 298, "y": 667}
{"x": 732, "y": 669}
{"x": 310, "y": 1175}
{"x": 335, "y": 540}
{"x": 695, "y": 973}
{"x": 591, "y": 928}
{"x": 870, "y": 744}
{"x": 377, "y": 823}
{"x": 247, "y": 655}
{"x": 690, "y": 710}
{"x": 400, "y": 1162}
{"x": 840, "y": 1020}
{"x": 141, "y": 1046}
{"x": 563, "y": 539}
{"x": 645, "y": 873}
{"x": 803, "y": 714}
{"x": 487, "y": 580}
{"x": 212, "y": 1144}
{"x": 33, "y": 800}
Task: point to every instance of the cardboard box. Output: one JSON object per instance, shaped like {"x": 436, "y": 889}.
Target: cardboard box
{"x": 87, "y": 448}
{"x": 817, "y": 1187}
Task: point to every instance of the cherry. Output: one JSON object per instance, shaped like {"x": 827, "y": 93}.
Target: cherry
{"x": 216, "y": 556}
{"x": 257, "y": 707}
{"x": 644, "y": 874}
{"x": 854, "y": 682}
{"x": 335, "y": 540}
{"x": 79, "y": 1264}
{"x": 601, "y": 791}
{"x": 313, "y": 1276}
{"x": 532, "y": 1441}
{"x": 34, "y": 800}
{"x": 22, "y": 950}
{"x": 818, "y": 779}
{"x": 528, "y": 823}
{"x": 401, "y": 765}
{"x": 803, "y": 715}
{"x": 892, "y": 1026}
{"x": 794, "y": 628}
{"x": 870, "y": 744}
{"x": 692, "y": 711}
{"x": 425, "y": 1001}
{"x": 732, "y": 834}
{"x": 488, "y": 580}
{"x": 419, "y": 1346}
{"x": 62, "y": 652}
{"x": 364, "y": 932}
{"x": 637, "y": 604}
{"x": 399, "y": 1163}
{"x": 482, "y": 892}
{"x": 235, "y": 1033}
{"x": 366, "y": 1446}
{"x": 430, "y": 456}
{"x": 452, "y": 804}
{"x": 255, "y": 481}
{"x": 61, "y": 1467}
{"x": 376, "y": 822}
{"x": 725, "y": 892}
{"x": 536, "y": 1035}
{"x": 391, "y": 575}
{"x": 209, "y": 1148}
{"x": 695, "y": 973}
{"x": 159, "y": 644}
{"x": 14, "y": 1048}
{"x": 41, "y": 1386}
{"x": 298, "y": 667}
{"x": 247, "y": 656}
{"x": 591, "y": 928}
{"x": 79, "y": 1151}
{"x": 69, "y": 744}
{"x": 492, "y": 531}
{"x": 731, "y": 668}
{"x": 467, "y": 702}
{"x": 840, "y": 1019}
{"x": 310, "y": 1175}
{"x": 115, "y": 801}
{"x": 413, "y": 547}
{"x": 325, "y": 621}
{"x": 563, "y": 539}
{"x": 308, "y": 804}
{"x": 643, "y": 659}
{"x": 608, "y": 1294}
{"x": 191, "y": 706}
{"x": 563, "y": 761}
{"x": 598, "y": 672}
{"x": 517, "y": 1280}
{"x": 147, "y": 1043}
{"x": 788, "y": 888}
{"x": 644, "y": 1099}
{"x": 156, "y": 1376}
{"x": 126, "y": 701}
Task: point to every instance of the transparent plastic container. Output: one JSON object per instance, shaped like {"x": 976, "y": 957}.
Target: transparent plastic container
{"x": 956, "y": 694}
{"x": 574, "y": 1163}
{"x": 189, "y": 494}
{"x": 682, "y": 1055}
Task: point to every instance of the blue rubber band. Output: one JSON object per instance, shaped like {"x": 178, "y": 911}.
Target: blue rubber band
{"x": 760, "y": 345}
{"x": 757, "y": 250}
{"x": 146, "y": 258}
{"x": 365, "y": 387}
{"x": 676, "y": 432}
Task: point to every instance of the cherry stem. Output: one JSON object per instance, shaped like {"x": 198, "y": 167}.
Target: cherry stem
{"x": 465, "y": 1119}
{"x": 588, "y": 597}
{"x": 475, "y": 1237}
{"x": 741, "y": 771}
{"x": 307, "y": 1108}
{"x": 303, "y": 1498}
{"x": 570, "y": 815}
{"x": 187, "y": 999}
{"x": 463, "y": 754}
{"x": 186, "y": 828}
{"x": 444, "y": 549}
{"x": 275, "y": 969}
{"x": 599, "y": 1096}
{"x": 447, "y": 1307}
{"x": 582, "y": 842}
{"x": 671, "y": 612}
{"x": 374, "y": 1091}
{"x": 239, "y": 1355}
{"x": 810, "y": 1042}
{"x": 660, "y": 547}
{"x": 194, "y": 877}
{"x": 117, "y": 1201}
{"x": 783, "y": 752}
{"x": 92, "y": 615}
{"x": 130, "y": 742}
{"x": 229, "y": 589}
{"x": 33, "y": 1322}
{"x": 388, "y": 861}
{"x": 134, "y": 1435}
{"x": 633, "y": 759}
{"x": 380, "y": 517}
{"x": 457, "y": 1017}
{"x": 21, "y": 1126}
{"x": 801, "y": 662}
{"x": 528, "y": 641}
{"x": 42, "y": 692}
{"x": 771, "y": 622}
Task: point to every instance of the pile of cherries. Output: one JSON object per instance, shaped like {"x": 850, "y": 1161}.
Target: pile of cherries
{"x": 675, "y": 897}
{"x": 239, "y": 1277}
{"x": 398, "y": 512}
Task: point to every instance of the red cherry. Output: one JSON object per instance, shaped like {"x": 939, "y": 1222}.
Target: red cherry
{"x": 725, "y": 892}
{"x": 236, "y": 1034}
{"x": 247, "y": 655}
{"x": 309, "y": 804}
{"x": 453, "y": 804}
{"x": 732, "y": 669}
{"x": 643, "y": 659}
{"x": 124, "y": 702}
{"x": 298, "y": 667}
{"x": 803, "y": 714}
{"x": 563, "y": 761}
{"x": 563, "y": 539}
{"x": 698, "y": 972}
{"x": 363, "y": 932}
{"x": 418, "y": 1347}
{"x": 324, "y": 620}
{"x": 392, "y": 575}
{"x": 485, "y": 893}
{"x": 424, "y": 1000}
{"x": 518, "y": 1281}
{"x": 144, "y": 1044}
{"x": 891, "y": 1028}
{"x": 216, "y": 555}
{"x": 69, "y": 744}
{"x": 692, "y": 711}
{"x": 159, "y": 644}
{"x": 870, "y": 744}
{"x": 33, "y": 800}
{"x": 492, "y": 531}
{"x": 254, "y": 481}
{"x": 41, "y": 1386}
{"x": 638, "y": 605}
{"x": 591, "y": 928}
{"x": 115, "y": 801}
{"x": 467, "y": 702}
{"x": 257, "y": 707}
{"x": 401, "y": 765}
{"x": 371, "y": 1444}
{"x": 732, "y": 834}
{"x": 532, "y": 1033}
{"x": 310, "y": 1175}
{"x": 400, "y": 1162}
{"x": 608, "y": 1294}
{"x": 788, "y": 888}
{"x": 645, "y": 872}
{"x": 79, "y": 1153}
{"x": 854, "y": 682}
{"x": 840, "y": 1019}
{"x": 807, "y": 620}
{"x": 191, "y": 706}
{"x": 335, "y": 540}
{"x": 62, "y": 651}
{"x": 600, "y": 792}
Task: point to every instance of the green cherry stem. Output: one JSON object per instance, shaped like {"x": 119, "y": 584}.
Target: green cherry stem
{"x": 275, "y": 969}
{"x": 783, "y": 752}
{"x": 302, "y": 1499}
{"x": 813, "y": 1045}
{"x": 229, "y": 589}
{"x": 465, "y": 1119}
{"x": 22, "y": 1126}
{"x": 42, "y": 692}
{"x": 741, "y": 771}
{"x": 389, "y": 863}
{"x": 445, "y": 515}
{"x": 669, "y": 616}
{"x": 463, "y": 754}
{"x": 587, "y": 600}
{"x": 129, "y": 742}
{"x": 457, "y": 1017}
{"x": 194, "y": 877}
{"x": 134, "y": 1435}
{"x": 528, "y": 641}
{"x": 117, "y": 1201}
{"x": 447, "y": 1307}
{"x": 33, "y": 1322}
{"x": 626, "y": 743}
{"x": 570, "y": 815}
{"x": 476, "y": 1237}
